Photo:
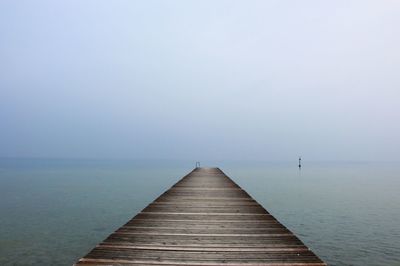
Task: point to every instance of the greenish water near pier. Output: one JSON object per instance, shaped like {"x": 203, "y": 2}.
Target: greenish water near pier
{"x": 54, "y": 211}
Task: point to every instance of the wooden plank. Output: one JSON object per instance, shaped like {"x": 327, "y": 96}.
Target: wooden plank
{"x": 204, "y": 219}
{"x": 182, "y": 248}
{"x": 88, "y": 261}
{"x": 189, "y": 230}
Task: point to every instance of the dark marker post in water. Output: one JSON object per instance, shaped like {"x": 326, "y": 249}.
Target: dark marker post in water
{"x": 299, "y": 162}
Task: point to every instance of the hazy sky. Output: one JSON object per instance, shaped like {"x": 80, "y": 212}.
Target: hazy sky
{"x": 265, "y": 80}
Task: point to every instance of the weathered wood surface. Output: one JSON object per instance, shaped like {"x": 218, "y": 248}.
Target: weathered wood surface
{"x": 205, "y": 219}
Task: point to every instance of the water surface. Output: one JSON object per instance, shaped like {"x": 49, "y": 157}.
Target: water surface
{"x": 54, "y": 211}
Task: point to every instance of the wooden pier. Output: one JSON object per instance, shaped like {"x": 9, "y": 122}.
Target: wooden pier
{"x": 205, "y": 219}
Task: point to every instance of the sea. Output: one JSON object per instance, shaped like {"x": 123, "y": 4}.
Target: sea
{"x": 54, "y": 211}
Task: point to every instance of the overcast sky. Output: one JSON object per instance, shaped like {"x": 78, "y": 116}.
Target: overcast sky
{"x": 243, "y": 80}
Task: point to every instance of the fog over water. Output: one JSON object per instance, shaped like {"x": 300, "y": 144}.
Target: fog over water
{"x": 196, "y": 80}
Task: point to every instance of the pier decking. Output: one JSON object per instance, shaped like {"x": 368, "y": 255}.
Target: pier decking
{"x": 204, "y": 219}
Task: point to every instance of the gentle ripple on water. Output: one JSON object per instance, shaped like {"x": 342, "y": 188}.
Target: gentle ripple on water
{"x": 347, "y": 213}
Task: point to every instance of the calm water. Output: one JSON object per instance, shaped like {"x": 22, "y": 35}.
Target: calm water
{"x": 54, "y": 211}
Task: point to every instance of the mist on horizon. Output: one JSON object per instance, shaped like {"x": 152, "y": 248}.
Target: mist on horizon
{"x": 200, "y": 80}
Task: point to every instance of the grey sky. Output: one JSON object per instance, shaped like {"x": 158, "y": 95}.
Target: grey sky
{"x": 265, "y": 80}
